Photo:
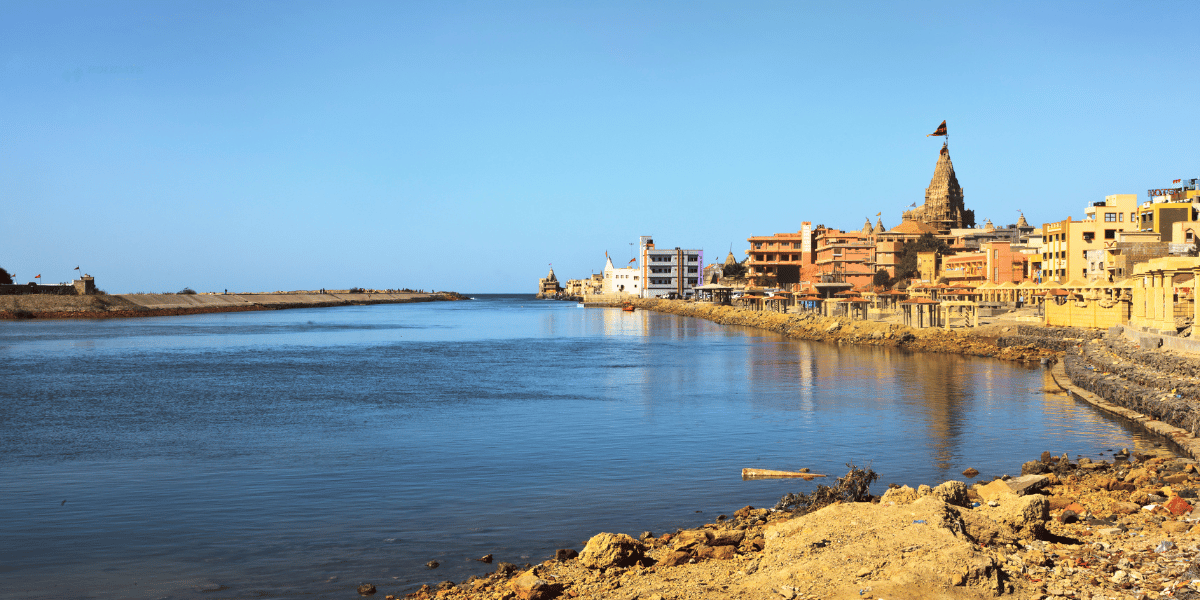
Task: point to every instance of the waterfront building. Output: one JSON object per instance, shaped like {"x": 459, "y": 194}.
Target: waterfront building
{"x": 625, "y": 280}
{"x": 669, "y": 271}
{"x": 845, "y": 256}
{"x": 1017, "y": 234}
{"x": 783, "y": 259}
{"x": 1066, "y": 242}
{"x": 548, "y": 286}
{"x": 1167, "y": 207}
{"x": 944, "y": 208}
{"x": 996, "y": 262}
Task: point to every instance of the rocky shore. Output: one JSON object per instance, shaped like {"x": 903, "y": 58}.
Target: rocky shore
{"x": 1067, "y": 528}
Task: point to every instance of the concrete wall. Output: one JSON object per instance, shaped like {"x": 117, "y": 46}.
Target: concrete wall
{"x": 1090, "y": 315}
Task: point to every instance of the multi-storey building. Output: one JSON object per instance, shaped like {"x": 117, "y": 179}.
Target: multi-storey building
{"x": 1167, "y": 207}
{"x": 668, "y": 272}
{"x": 784, "y": 258}
{"x": 845, "y": 256}
{"x": 996, "y": 262}
{"x": 1066, "y": 242}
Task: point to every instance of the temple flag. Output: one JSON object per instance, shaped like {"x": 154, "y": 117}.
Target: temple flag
{"x": 879, "y": 214}
{"x": 38, "y": 276}
{"x": 914, "y": 204}
{"x": 1177, "y": 181}
{"x": 631, "y": 261}
{"x": 941, "y": 130}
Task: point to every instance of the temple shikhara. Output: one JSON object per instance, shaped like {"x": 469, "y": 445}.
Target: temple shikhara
{"x": 943, "y": 208}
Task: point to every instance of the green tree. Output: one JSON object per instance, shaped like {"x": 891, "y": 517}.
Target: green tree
{"x": 906, "y": 258}
{"x": 5, "y": 278}
{"x": 734, "y": 270}
{"x": 881, "y": 279}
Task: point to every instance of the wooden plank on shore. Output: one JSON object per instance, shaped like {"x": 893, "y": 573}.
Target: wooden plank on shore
{"x": 770, "y": 474}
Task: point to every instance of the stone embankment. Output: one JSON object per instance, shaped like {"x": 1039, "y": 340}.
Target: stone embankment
{"x": 157, "y": 305}
{"x": 1079, "y": 529}
{"x": 810, "y": 326}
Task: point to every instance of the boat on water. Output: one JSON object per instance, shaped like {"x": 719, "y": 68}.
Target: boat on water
{"x": 627, "y": 307}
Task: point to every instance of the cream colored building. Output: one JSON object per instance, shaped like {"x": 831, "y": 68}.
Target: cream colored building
{"x": 1164, "y": 293}
{"x": 1065, "y": 244}
{"x": 622, "y": 281}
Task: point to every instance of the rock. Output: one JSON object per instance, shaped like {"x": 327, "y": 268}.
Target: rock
{"x": 366, "y": 589}
{"x": 993, "y": 490}
{"x": 690, "y": 538}
{"x": 900, "y": 495}
{"x": 724, "y": 552}
{"x": 1176, "y": 479}
{"x": 433, "y": 564}
{"x": 743, "y": 512}
{"x": 1125, "y": 508}
{"x": 607, "y": 550}
{"x": 923, "y": 490}
{"x": 1110, "y": 531}
{"x": 1176, "y": 527}
{"x": 1034, "y": 467}
{"x": 1068, "y": 516}
{"x": 649, "y": 534}
{"x": 952, "y": 492}
{"x": 528, "y": 586}
{"x": 673, "y": 559}
{"x": 1026, "y": 516}
{"x": 1047, "y": 457}
{"x": 505, "y": 569}
{"x": 1027, "y": 484}
{"x": 1059, "y": 502}
{"x": 727, "y": 537}
{"x": 565, "y": 554}
{"x": 1077, "y": 507}
{"x": 1177, "y": 506}
{"x": 486, "y": 558}
{"x": 970, "y": 472}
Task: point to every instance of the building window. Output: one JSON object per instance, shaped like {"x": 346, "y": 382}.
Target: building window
{"x": 1110, "y": 234}
{"x": 1110, "y": 217}
{"x": 1121, "y": 217}
{"x": 1089, "y": 236}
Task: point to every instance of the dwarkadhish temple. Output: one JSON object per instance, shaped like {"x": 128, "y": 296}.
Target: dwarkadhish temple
{"x": 944, "y": 208}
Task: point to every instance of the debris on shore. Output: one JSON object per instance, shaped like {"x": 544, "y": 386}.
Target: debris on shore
{"x": 1077, "y": 529}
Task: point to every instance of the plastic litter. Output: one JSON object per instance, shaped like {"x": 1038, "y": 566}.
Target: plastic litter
{"x": 919, "y": 521}
{"x": 1164, "y": 546}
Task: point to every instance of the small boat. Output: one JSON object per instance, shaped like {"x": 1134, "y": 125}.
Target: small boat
{"x": 627, "y": 307}
{"x": 580, "y": 305}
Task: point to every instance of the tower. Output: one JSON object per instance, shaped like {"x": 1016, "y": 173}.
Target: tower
{"x": 943, "y": 208}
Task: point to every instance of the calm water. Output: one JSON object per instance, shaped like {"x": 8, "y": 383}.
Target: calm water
{"x": 298, "y": 453}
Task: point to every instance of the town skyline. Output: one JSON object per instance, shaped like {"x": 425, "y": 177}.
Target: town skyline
{"x": 467, "y": 146}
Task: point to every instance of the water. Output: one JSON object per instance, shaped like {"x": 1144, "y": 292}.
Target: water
{"x": 298, "y": 453}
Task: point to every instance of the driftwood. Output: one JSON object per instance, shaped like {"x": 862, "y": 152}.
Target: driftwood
{"x": 748, "y": 474}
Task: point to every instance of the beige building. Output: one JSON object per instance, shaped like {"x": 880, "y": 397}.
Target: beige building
{"x": 1066, "y": 243}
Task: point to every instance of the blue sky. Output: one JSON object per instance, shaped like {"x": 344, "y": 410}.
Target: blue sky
{"x": 259, "y": 146}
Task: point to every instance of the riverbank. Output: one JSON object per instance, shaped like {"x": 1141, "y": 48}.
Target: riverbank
{"x": 1064, "y": 529}
{"x": 159, "y": 305}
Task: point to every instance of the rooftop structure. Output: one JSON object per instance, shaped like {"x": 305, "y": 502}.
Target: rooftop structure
{"x": 943, "y": 208}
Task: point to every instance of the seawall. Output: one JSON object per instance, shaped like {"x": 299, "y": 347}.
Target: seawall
{"x": 810, "y": 326}
{"x": 154, "y": 305}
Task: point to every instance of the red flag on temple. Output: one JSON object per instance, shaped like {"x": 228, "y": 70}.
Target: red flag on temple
{"x": 941, "y": 130}
{"x": 38, "y": 276}
{"x": 1177, "y": 181}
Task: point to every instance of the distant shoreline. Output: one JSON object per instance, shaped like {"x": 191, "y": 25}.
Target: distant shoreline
{"x": 104, "y": 306}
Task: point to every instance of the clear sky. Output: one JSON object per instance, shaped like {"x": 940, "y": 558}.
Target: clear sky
{"x": 260, "y": 146}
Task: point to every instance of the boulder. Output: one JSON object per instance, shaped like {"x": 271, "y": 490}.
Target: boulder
{"x": 1034, "y": 467}
{"x": 673, "y": 559}
{"x": 727, "y": 537}
{"x": 607, "y": 550}
{"x": 900, "y": 495}
{"x": 970, "y": 472}
{"x": 528, "y": 586}
{"x": 565, "y": 554}
{"x": 1026, "y": 516}
{"x": 952, "y": 492}
{"x": 690, "y": 538}
{"x": 366, "y": 589}
{"x": 1125, "y": 508}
